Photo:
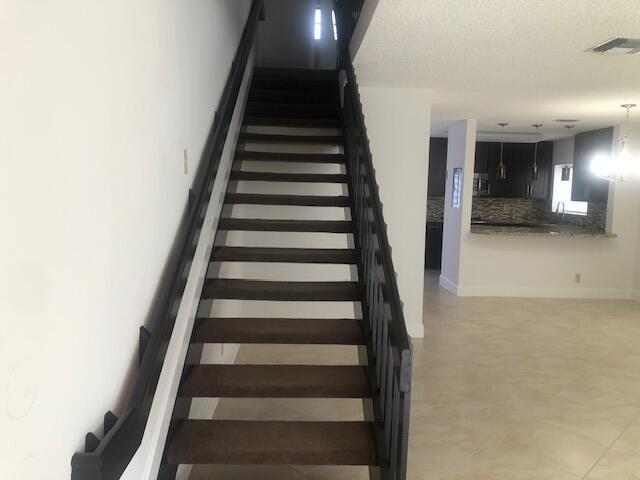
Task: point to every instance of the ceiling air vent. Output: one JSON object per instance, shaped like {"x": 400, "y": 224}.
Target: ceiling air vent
{"x": 618, "y": 45}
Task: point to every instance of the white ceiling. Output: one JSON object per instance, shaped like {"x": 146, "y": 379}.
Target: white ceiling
{"x": 516, "y": 61}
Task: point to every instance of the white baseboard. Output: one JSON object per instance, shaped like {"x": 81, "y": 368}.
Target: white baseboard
{"x": 536, "y": 292}
{"x": 415, "y": 330}
{"x": 448, "y": 285}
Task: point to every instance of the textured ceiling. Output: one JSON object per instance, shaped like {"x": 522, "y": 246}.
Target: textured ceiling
{"x": 517, "y": 61}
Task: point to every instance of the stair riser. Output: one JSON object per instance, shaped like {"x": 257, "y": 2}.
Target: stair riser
{"x": 291, "y": 122}
{"x": 310, "y": 111}
{"x": 293, "y": 85}
{"x": 282, "y": 96}
{"x": 265, "y": 309}
{"x": 284, "y": 271}
{"x": 284, "y": 239}
{"x": 287, "y": 212}
{"x": 300, "y": 148}
{"x": 291, "y": 139}
{"x": 290, "y": 167}
{"x": 290, "y": 188}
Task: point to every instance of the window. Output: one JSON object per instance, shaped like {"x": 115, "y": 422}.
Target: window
{"x": 317, "y": 24}
{"x": 335, "y": 28}
{"x": 562, "y": 193}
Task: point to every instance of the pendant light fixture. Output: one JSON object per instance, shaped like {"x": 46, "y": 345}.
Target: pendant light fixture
{"x": 565, "y": 176}
{"x": 622, "y": 166}
{"x": 501, "y": 172}
{"x": 534, "y": 167}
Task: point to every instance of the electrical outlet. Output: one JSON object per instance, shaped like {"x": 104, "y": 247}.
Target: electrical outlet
{"x": 185, "y": 162}
{"x": 578, "y": 278}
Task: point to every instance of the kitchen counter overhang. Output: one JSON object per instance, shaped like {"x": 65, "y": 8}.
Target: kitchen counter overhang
{"x": 539, "y": 231}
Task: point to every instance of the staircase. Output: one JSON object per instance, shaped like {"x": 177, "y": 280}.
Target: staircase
{"x": 300, "y": 147}
{"x": 274, "y": 159}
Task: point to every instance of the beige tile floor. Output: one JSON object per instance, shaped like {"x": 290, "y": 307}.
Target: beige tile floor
{"x": 503, "y": 388}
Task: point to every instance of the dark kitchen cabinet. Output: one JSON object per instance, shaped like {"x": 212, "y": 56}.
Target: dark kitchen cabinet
{"x": 433, "y": 247}
{"x": 518, "y": 160}
{"x": 437, "y": 167}
{"x": 541, "y": 187}
{"x": 586, "y": 187}
{"x": 497, "y": 188}
{"x": 481, "y": 164}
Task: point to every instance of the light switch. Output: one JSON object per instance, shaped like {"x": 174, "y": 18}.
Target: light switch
{"x": 185, "y": 162}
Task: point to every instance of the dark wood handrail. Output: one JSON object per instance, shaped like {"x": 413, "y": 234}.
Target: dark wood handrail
{"x": 107, "y": 459}
{"x": 388, "y": 343}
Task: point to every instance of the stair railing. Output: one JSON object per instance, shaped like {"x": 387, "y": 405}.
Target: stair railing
{"x": 108, "y": 458}
{"x": 388, "y": 344}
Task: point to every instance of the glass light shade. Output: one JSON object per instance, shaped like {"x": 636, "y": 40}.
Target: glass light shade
{"x": 620, "y": 167}
{"x": 501, "y": 173}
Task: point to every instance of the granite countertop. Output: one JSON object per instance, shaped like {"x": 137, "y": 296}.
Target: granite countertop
{"x": 540, "y": 231}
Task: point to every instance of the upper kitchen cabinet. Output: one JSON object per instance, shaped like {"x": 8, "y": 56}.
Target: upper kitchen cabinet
{"x": 541, "y": 187}
{"x": 482, "y": 158}
{"x": 586, "y": 187}
{"x": 437, "y": 175}
{"x": 518, "y": 159}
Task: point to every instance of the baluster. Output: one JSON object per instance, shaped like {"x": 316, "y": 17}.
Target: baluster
{"x": 395, "y": 428}
{"x": 387, "y": 404}
{"x": 382, "y": 361}
{"x": 403, "y": 435}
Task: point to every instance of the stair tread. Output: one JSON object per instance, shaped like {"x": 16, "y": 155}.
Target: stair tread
{"x": 295, "y": 139}
{"x": 290, "y": 157}
{"x": 241, "y": 175}
{"x": 276, "y": 381}
{"x": 299, "y": 200}
{"x": 291, "y": 110}
{"x": 261, "y": 225}
{"x": 276, "y": 121}
{"x": 272, "y": 443}
{"x": 300, "y": 331}
{"x": 284, "y": 255}
{"x": 239, "y": 289}
{"x": 284, "y": 96}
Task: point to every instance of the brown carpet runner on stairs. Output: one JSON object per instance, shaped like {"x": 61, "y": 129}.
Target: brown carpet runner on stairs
{"x": 289, "y": 98}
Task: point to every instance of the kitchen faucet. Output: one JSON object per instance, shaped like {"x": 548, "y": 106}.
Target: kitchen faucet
{"x": 563, "y": 209}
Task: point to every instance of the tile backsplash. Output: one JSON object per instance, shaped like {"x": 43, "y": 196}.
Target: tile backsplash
{"x": 521, "y": 210}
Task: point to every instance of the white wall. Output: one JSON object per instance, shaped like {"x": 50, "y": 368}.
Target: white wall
{"x": 460, "y": 154}
{"x": 286, "y": 37}
{"x": 545, "y": 266}
{"x": 636, "y": 283}
{"x": 99, "y": 99}
{"x": 398, "y": 122}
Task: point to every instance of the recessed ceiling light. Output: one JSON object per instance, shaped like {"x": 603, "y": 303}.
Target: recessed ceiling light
{"x": 567, "y": 120}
